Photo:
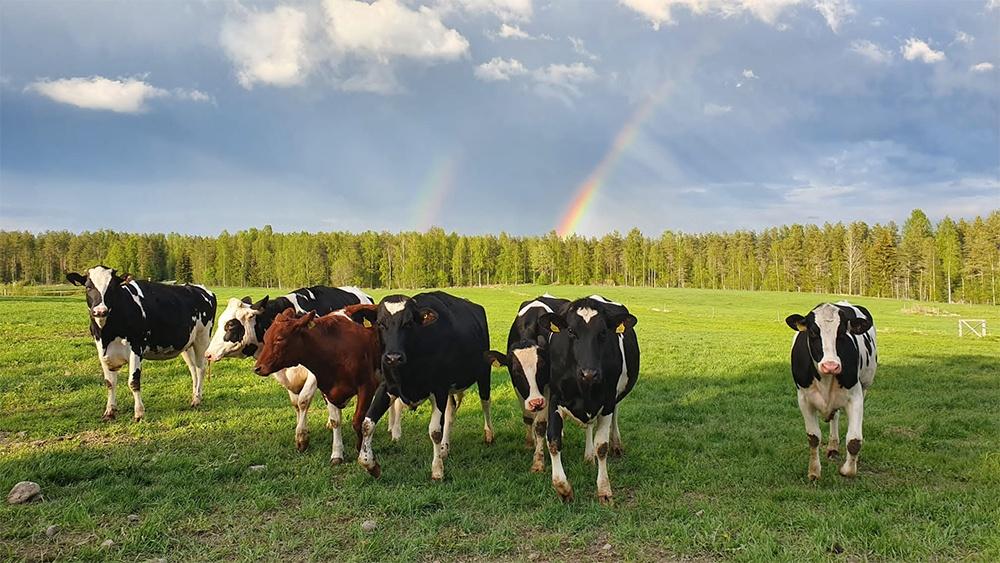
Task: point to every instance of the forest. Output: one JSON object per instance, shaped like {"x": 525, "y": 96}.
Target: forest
{"x": 948, "y": 261}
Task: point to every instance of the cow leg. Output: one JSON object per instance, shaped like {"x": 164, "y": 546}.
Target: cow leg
{"x": 528, "y": 418}
{"x": 366, "y": 457}
{"x": 111, "y": 382}
{"x": 334, "y": 418}
{"x": 603, "y": 439}
{"x": 855, "y": 418}
{"x": 538, "y": 428}
{"x": 196, "y": 365}
{"x": 135, "y": 384}
{"x": 813, "y": 433}
{"x": 483, "y": 384}
{"x": 617, "y": 450}
{"x": 449, "y": 420}
{"x": 554, "y": 435}
{"x": 442, "y": 403}
{"x": 330, "y": 412}
{"x": 833, "y": 442}
{"x": 396, "y": 419}
{"x": 302, "y": 403}
{"x": 588, "y": 452}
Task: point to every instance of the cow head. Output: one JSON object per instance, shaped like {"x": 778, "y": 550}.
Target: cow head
{"x": 586, "y": 329}
{"x": 827, "y": 328}
{"x": 104, "y": 291}
{"x": 526, "y": 362}
{"x": 236, "y": 335}
{"x": 396, "y": 319}
{"x": 284, "y": 345}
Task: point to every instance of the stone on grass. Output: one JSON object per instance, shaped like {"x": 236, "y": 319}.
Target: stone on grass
{"x": 258, "y": 467}
{"x": 133, "y": 518}
{"x": 25, "y": 491}
{"x": 368, "y": 526}
{"x": 107, "y": 544}
{"x": 52, "y": 530}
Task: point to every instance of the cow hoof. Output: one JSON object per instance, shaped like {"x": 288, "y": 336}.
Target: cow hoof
{"x": 395, "y": 436}
{"x": 438, "y": 477}
{"x": 538, "y": 467}
{"x": 832, "y": 454}
{"x": 375, "y": 470}
{"x": 488, "y": 436}
{"x": 302, "y": 444}
{"x": 814, "y": 476}
{"x": 444, "y": 451}
{"x": 338, "y": 461}
{"x": 109, "y": 416}
{"x": 848, "y": 471}
{"x": 195, "y": 403}
{"x": 605, "y": 499}
{"x": 617, "y": 451}
{"x": 137, "y": 418}
{"x": 329, "y": 424}
{"x": 565, "y": 491}
{"x": 590, "y": 458}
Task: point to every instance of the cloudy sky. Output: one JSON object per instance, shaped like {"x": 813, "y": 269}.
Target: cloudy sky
{"x": 489, "y": 115}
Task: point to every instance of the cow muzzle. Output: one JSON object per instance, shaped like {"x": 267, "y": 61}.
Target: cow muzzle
{"x": 535, "y": 405}
{"x": 259, "y": 370}
{"x": 830, "y": 368}
{"x": 100, "y": 312}
{"x": 589, "y": 375}
{"x": 394, "y": 359}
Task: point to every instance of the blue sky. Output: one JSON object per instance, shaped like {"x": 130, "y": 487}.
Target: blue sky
{"x": 482, "y": 116}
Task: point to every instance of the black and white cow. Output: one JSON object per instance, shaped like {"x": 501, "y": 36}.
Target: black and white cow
{"x": 241, "y": 334}
{"x": 135, "y": 320}
{"x": 527, "y": 361}
{"x": 833, "y": 364}
{"x": 434, "y": 346}
{"x": 594, "y": 357}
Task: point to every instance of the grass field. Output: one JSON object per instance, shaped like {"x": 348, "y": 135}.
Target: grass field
{"x": 715, "y": 463}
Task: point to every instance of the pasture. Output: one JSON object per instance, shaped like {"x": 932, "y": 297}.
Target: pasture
{"x": 714, "y": 468}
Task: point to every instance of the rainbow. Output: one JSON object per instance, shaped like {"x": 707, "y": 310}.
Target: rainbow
{"x": 587, "y": 190}
{"x": 430, "y": 199}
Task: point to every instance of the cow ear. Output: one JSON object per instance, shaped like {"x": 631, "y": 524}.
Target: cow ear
{"x": 551, "y": 322}
{"x": 126, "y": 279}
{"x": 247, "y": 300}
{"x": 497, "y": 359}
{"x": 622, "y": 322}
{"x": 259, "y": 306}
{"x": 428, "y": 316}
{"x": 308, "y": 320}
{"x": 365, "y": 316}
{"x": 76, "y": 279}
{"x": 796, "y": 322}
{"x": 859, "y": 325}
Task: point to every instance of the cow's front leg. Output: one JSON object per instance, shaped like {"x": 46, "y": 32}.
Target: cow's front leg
{"x": 335, "y": 418}
{"x": 135, "y": 383}
{"x": 833, "y": 441}
{"x": 813, "y": 433}
{"x": 538, "y": 429}
{"x": 441, "y": 403}
{"x": 302, "y": 402}
{"x": 528, "y": 418}
{"x": 603, "y": 445}
{"x": 449, "y": 420}
{"x": 589, "y": 454}
{"x": 366, "y": 457}
{"x": 483, "y": 385}
{"x": 554, "y": 435}
{"x": 396, "y": 419}
{"x": 855, "y": 418}
{"x": 617, "y": 449}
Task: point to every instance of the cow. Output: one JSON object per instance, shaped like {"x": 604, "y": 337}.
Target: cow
{"x": 833, "y": 364}
{"x": 341, "y": 355}
{"x": 241, "y": 333}
{"x": 433, "y": 345}
{"x": 594, "y": 364}
{"x": 527, "y": 361}
{"x": 133, "y": 320}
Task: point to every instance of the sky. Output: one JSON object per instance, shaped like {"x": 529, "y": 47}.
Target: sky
{"x": 481, "y": 116}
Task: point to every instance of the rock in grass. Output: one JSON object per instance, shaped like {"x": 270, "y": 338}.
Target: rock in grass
{"x": 51, "y": 531}
{"x": 133, "y": 518}
{"x": 106, "y": 544}
{"x": 258, "y": 467}
{"x": 25, "y": 491}
{"x": 368, "y": 526}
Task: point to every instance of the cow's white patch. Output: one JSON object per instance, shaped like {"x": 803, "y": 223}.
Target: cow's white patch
{"x": 623, "y": 378}
{"x": 310, "y": 294}
{"x": 532, "y": 305}
{"x": 586, "y": 313}
{"x": 549, "y": 295}
{"x": 207, "y": 293}
{"x": 295, "y": 302}
{"x": 528, "y": 358}
{"x": 828, "y": 320}
{"x": 394, "y": 306}
{"x": 363, "y": 297}
{"x": 101, "y": 278}
{"x": 138, "y": 289}
{"x": 219, "y": 348}
{"x": 600, "y": 298}
{"x": 341, "y": 313}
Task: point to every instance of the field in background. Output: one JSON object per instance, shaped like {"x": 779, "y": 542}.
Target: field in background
{"x": 715, "y": 464}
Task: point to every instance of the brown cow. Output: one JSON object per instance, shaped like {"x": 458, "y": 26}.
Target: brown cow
{"x": 342, "y": 354}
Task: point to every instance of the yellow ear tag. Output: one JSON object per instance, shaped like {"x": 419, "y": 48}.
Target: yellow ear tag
{"x": 312, "y": 324}
{"x": 553, "y": 327}
{"x": 620, "y": 329}
{"x": 801, "y": 326}
{"x": 366, "y": 323}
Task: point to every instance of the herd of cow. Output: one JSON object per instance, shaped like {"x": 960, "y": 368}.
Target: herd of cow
{"x": 575, "y": 359}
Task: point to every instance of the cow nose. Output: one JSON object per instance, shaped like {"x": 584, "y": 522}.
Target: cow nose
{"x": 100, "y": 312}
{"x": 394, "y": 359}
{"x": 588, "y": 374}
{"x": 832, "y": 368}
{"x": 258, "y": 370}
{"x": 536, "y": 405}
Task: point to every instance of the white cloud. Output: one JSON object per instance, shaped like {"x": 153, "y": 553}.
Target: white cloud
{"x": 267, "y": 47}
{"x": 506, "y": 10}
{"x": 124, "y": 95}
{"x": 512, "y": 32}
{"x": 659, "y": 12}
{"x": 963, "y": 38}
{"x": 386, "y": 28}
{"x": 915, "y": 49}
{"x": 580, "y": 49}
{"x": 563, "y": 81}
{"x": 713, "y": 110}
{"x": 993, "y": 4}
{"x": 871, "y": 51}
{"x": 835, "y": 12}
{"x": 981, "y": 67}
{"x": 748, "y": 74}
{"x": 499, "y": 69}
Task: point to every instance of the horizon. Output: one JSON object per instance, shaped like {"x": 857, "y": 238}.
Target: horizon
{"x": 487, "y": 117}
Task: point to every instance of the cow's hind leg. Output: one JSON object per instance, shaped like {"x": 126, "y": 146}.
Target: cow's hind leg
{"x": 302, "y": 402}
{"x": 813, "y": 433}
{"x": 855, "y": 418}
{"x": 396, "y": 419}
{"x": 589, "y": 455}
{"x": 196, "y": 365}
{"x": 833, "y": 442}
{"x": 135, "y": 384}
{"x": 617, "y": 450}
{"x": 484, "y": 398}
{"x": 554, "y": 435}
{"x": 366, "y": 456}
{"x": 539, "y": 428}
{"x": 435, "y": 429}
{"x": 603, "y": 439}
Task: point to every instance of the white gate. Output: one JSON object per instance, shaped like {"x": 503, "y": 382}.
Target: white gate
{"x": 975, "y": 326}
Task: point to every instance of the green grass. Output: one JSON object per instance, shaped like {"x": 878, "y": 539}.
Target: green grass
{"x": 715, "y": 464}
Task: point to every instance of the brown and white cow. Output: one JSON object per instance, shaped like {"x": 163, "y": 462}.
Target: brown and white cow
{"x": 342, "y": 355}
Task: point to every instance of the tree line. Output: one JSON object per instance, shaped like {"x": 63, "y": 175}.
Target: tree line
{"x": 949, "y": 261}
